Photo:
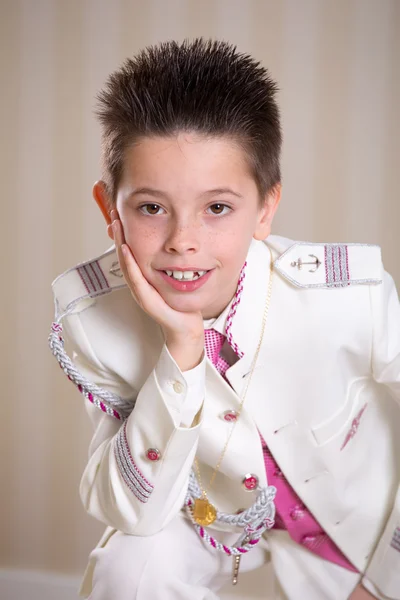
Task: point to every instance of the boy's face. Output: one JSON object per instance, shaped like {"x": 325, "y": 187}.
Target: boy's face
{"x": 189, "y": 203}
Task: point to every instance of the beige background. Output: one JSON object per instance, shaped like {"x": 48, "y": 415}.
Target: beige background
{"x": 337, "y": 62}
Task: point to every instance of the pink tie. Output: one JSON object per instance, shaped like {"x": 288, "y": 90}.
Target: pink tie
{"x": 213, "y": 345}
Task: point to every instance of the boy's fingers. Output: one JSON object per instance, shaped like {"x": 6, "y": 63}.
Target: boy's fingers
{"x": 138, "y": 285}
{"x": 118, "y": 233}
{"x": 122, "y": 264}
{"x": 132, "y": 269}
{"x": 132, "y": 272}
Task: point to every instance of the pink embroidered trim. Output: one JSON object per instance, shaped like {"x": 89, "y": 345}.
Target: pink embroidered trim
{"x": 232, "y": 312}
{"x": 93, "y": 277}
{"x": 130, "y": 473}
{"x": 354, "y": 427}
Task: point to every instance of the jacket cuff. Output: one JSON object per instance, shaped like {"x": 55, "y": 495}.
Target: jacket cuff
{"x": 183, "y": 393}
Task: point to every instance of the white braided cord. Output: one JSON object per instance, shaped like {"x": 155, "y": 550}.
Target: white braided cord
{"x": 255, "y": 520}
{"x": 112, "y": 404}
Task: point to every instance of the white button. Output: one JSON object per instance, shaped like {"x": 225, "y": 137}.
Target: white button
{"x": 178, "y": 387}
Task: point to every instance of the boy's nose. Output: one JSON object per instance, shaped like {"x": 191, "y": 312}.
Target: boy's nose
{"x": 183, "y": 240}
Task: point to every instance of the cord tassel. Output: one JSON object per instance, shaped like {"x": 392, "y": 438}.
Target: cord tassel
{"x": 236, "y": 565}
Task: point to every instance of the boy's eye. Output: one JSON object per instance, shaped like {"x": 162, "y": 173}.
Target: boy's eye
{"x": 151, "y": 209}
{"x": 219, "y": 209}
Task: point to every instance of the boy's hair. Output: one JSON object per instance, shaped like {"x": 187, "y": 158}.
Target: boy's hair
{"x": 201, "y": 86}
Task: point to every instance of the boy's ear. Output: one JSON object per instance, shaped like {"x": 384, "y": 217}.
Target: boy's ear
{"x": 267, "y": 213}
{"x": 102, "y": 199}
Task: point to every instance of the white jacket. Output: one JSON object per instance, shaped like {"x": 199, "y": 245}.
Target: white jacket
{"x": 323, "y": 395}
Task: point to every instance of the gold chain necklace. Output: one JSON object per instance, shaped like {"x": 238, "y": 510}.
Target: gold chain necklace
{"x": 204, "y": 512}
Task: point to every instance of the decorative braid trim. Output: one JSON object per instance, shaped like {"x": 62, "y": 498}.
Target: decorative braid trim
{"x": 130, "y": 473}
{"x": 337, "y": 265}
{"x": 93, "y": 277}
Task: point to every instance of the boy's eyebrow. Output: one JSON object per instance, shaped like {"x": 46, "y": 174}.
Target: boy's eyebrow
{"x": 159, "y": 194}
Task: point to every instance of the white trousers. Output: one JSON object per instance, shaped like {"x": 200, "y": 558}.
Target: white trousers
{"x": 175, "y": 564}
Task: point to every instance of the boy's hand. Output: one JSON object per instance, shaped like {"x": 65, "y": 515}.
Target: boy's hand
{"x": 184, "y": 332}
{"x": 360, "y": 593}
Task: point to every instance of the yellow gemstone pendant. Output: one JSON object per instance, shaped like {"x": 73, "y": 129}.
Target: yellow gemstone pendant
{"x": 204, "y": 512}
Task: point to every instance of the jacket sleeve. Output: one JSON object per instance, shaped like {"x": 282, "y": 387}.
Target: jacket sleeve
{"x": 384, "y": 568}
{"x": 122, "y": 485}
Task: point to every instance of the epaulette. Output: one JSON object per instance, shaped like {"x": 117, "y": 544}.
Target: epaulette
{"x": 309, "y": 265}
{"x": 73, "y": 291}
{"x": 77, "y": 287}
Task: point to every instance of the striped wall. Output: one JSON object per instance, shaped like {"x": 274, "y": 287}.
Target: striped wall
{"x": 337, "y": 65}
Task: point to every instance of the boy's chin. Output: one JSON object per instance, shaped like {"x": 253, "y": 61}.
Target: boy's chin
{"x": 184, "y": 305}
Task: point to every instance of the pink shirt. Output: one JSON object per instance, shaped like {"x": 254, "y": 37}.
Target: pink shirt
{"x": 294, "y": 516}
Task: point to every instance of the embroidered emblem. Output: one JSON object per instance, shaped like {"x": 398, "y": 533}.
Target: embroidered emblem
{"x": 336, "y": 265}
{"x": 354, "y": 427}
{"x": 395, "y": 543}
{"x": 130, "y": 473}
{"x": 116, "y": 269}
{"x": 93, "y": 277}
{"x": 299, "y": 263}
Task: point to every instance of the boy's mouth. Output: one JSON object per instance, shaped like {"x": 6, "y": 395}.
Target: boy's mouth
{"x": 185, "y": 275}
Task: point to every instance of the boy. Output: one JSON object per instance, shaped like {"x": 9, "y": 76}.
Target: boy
{"x": 237, "y": 375}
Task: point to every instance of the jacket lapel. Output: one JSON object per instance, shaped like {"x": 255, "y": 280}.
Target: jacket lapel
{"x": 247, "y": 323}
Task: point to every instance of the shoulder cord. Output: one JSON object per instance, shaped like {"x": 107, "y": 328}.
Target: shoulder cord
{"x": 110, "y": 403}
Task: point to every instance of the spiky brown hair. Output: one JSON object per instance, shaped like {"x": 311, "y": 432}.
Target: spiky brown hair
{"x": 201, "y": 86}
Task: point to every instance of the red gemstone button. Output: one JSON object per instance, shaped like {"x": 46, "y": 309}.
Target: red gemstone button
{"x": 250, "y": 482}
{"x": 230, "y": 416}
{"x": 153, "y": 454}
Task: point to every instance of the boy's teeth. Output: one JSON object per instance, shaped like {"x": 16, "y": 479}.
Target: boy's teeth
{"x": 186, "y": 275}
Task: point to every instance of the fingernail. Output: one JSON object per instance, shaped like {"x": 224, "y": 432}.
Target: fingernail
{"x": 124, "y": 250}
{"x": 115, "y": 228}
